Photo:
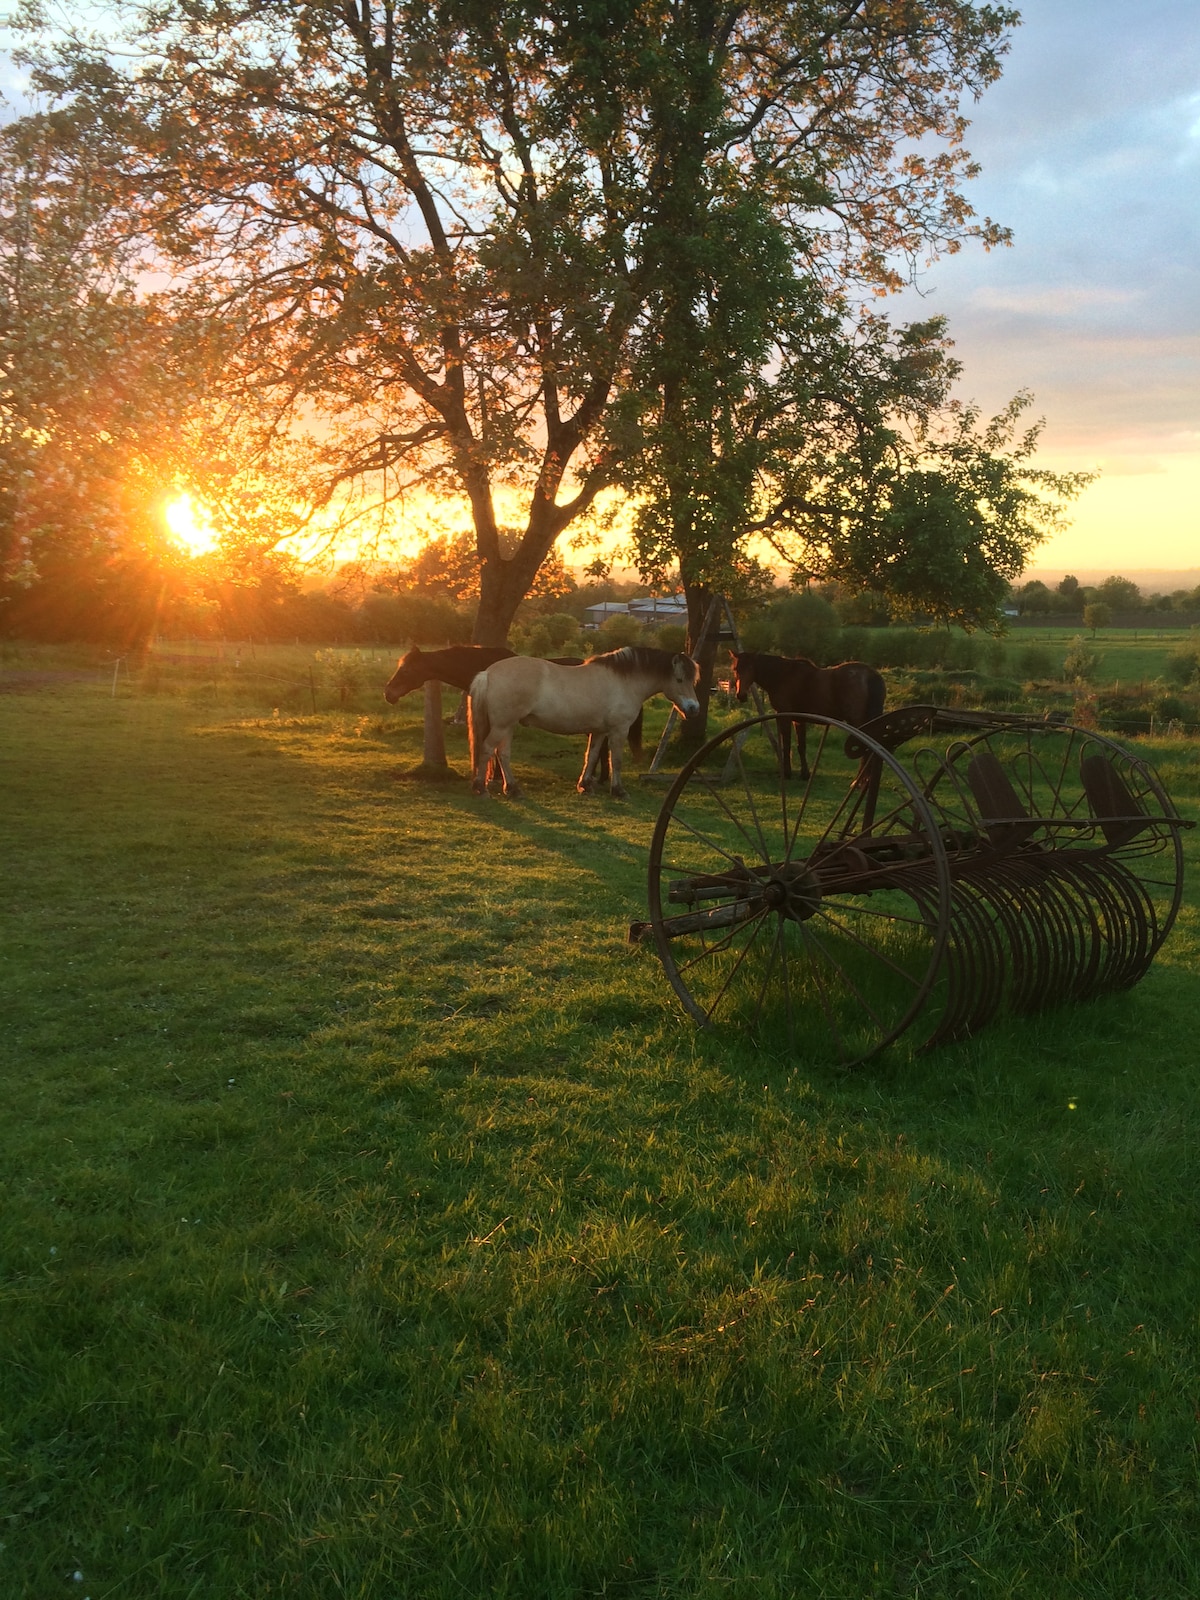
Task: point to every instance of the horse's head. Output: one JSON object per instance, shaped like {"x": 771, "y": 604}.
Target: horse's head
{"x": 681, "y": 691}
{"x": 743, "y": 676}
{"x": 406, "y": 677}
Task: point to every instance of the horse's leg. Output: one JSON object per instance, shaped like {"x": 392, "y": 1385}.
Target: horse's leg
{"x": 479, "y": 778}
{"x": 503, "y": 755}
{"x": 617, "y": 789}
{"x": 784, "y": 729}
{"x": 802, "y": 748}
{"x": 587, "y": 778}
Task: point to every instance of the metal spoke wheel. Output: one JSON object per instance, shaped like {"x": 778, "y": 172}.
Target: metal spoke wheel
{"x": 813, "y": 912}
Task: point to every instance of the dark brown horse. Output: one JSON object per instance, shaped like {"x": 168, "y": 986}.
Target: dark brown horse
{"x": 459, "y": 665}
{"x": 852, "y": 692}
{"x": 456, "y": 666}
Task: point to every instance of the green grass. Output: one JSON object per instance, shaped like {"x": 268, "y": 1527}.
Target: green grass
{"x": 1127, "y": 656}
{"x": 374, "y": 1224}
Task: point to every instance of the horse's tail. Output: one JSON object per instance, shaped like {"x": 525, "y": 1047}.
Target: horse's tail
{"x": 478, "y": 723}
{"x": 876, "y": 694}
{"x": 635, "y": 732}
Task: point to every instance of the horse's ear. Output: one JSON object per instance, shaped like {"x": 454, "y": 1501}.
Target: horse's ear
{"x": 733, "y": 657}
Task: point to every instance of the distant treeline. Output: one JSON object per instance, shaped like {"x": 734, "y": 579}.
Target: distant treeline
{"x": 1123, "y": 598}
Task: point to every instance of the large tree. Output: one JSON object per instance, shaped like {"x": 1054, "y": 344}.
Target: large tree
{"x": 456, "y": 233}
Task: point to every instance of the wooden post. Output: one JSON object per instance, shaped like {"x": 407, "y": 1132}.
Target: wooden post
{"x": 435, "y": 739}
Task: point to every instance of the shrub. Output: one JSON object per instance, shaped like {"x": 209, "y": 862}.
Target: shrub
{"x": 562, "y": 630}
{"x": 804, "y": 624}
{"x": 620, "y": 629}
{"x": 673, "y": 636}
{"x": 1080, "y": 664}
{"x": 1000, "y": 692}
{"x": 1183, "y": 664}
{"x": 996, "y": 658}
{"x": 1035, "y": 661}
{"x": 1169, "y": 708}
{"x": 854, "y": 644}
{"x": 413, "y": 619}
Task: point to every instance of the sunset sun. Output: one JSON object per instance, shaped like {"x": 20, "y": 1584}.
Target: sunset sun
{"x": 189, "y": 526}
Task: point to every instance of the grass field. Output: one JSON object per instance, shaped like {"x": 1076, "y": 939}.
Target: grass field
{"x": 375, "y": 1225}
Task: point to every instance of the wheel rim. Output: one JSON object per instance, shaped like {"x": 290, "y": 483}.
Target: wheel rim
{"x": 813, "y": 913}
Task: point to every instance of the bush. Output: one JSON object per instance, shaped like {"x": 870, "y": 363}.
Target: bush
{"x": 1000, "y": 692}
{"x": 420, "y": 619}
{"x": 1035, "y": 661}
{"x": 1169, "y": 708}
{"x": 672, "y": 636}
{"x": 963, "y": 653}
{"x": 1080, "y": 664}
{"x": 562, "y": 630}
{"x": 854, "y": 644}
{"x": 619, "y": 629}
{"x": 1183, "y": 664}
{"x": 805, "y": 624}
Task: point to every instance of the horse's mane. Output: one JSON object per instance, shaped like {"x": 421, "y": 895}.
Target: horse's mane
{"x": 634, "y": 658}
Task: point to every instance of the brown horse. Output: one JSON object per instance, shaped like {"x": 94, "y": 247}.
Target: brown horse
{"x": 461, "y": 663}
{"x": 852, "y": 692}
{"x": 600, "y": 698}
{"x": 457, "y": 666}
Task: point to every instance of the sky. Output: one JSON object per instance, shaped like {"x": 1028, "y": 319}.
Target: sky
{"x": 1090, "y": 147}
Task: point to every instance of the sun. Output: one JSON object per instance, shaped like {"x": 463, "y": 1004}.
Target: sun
{"x": 189, "y": 526}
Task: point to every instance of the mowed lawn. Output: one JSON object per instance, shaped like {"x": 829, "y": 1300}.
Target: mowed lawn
{"x": 375, "y": 1225}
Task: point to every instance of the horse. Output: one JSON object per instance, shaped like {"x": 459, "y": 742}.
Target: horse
{"x": 600, "y": 698}
{"x": 852, "y": 692}
{"x": 456, "y": 666}
{"x": 460, "y": 663}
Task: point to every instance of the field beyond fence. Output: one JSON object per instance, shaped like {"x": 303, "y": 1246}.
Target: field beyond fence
{"x": 375, "y": 1225}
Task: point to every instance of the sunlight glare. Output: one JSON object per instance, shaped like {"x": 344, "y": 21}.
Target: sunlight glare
{"x": 188, "y": 526}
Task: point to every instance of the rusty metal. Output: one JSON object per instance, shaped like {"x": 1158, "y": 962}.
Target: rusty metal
{"x": 1004, "y": 865}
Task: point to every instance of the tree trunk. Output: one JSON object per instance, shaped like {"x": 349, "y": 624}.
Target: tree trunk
{"x": 699, "y": 601}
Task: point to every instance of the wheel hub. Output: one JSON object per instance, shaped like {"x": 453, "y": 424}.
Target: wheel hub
{"x": 794, "y": 891}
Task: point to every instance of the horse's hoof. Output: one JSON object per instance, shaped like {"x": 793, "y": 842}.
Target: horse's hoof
{"x": 515, "y": 793}
{"x": 619, "y": 792}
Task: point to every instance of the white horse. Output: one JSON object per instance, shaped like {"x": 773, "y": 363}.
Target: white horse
{"x": 600, "y": 698}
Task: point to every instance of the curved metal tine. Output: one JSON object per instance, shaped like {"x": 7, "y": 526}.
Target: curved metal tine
{"x": 1082, "y": 974}
{"x": 814, "y": 767}
{"x": 877, "y": 954}
{"x": 1068, "y": 934}
{"x": 849, "y": 983}
{"x": 733, "y": 971}
{"x": 1025, "y": 929}
{"x": 981, "y": 960}
{"x": 722, "y": 944}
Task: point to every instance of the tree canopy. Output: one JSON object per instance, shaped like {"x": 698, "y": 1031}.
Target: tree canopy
{"x": 525, "y": 253}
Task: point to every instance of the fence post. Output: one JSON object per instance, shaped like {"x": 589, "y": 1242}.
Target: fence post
{"x": 434, "y": 752}
{"x": 312, "y": 689}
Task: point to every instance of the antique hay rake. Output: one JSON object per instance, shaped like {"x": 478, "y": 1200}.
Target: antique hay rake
{"x": 1005, "y": 864}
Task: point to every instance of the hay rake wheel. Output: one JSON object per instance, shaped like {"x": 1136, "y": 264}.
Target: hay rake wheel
{"x": 1005, "y": 864}
{"x": 827, "y": 899}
